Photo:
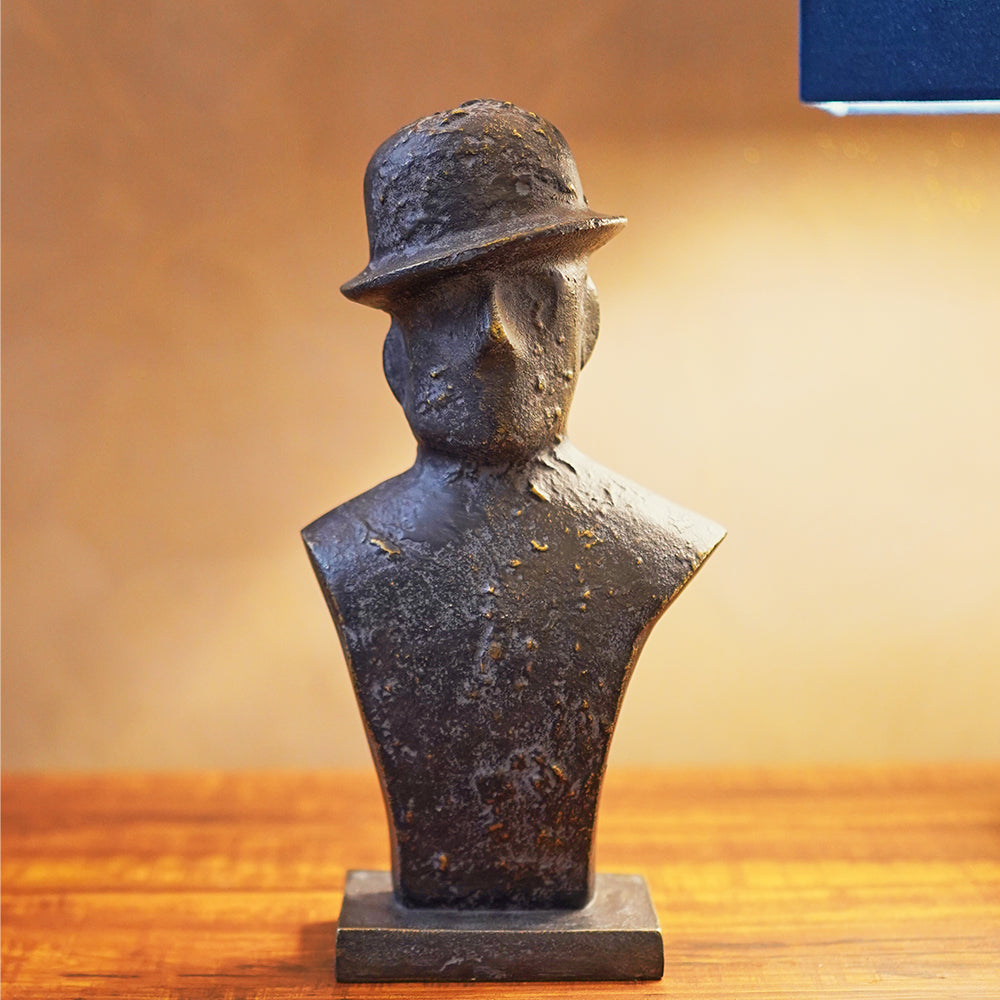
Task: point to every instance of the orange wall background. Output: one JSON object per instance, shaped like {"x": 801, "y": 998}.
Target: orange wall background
{"x": 800, "y": 340}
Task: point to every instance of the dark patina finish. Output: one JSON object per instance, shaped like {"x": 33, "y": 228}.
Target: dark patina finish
{"x": 493, "y": 599}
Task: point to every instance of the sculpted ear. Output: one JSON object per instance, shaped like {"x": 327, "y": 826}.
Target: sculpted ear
{"x": 395, "y": 361}
{"x": 591, "y": 322}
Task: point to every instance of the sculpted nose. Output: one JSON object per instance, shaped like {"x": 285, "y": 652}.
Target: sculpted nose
{"x": 498, "y": 334}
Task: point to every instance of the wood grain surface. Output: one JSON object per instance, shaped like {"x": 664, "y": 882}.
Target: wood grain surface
{"x": 768, "y": 883}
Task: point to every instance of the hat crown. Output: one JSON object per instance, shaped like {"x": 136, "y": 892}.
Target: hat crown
{"x": 484, "y": 167}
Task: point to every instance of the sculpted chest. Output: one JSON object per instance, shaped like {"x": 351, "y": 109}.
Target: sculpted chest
{"x": 491, "y": 626}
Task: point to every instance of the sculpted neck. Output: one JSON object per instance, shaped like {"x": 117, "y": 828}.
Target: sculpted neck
{"x": 444, "y": 465}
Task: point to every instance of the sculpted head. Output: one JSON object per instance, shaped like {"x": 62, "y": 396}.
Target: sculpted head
{"x": 479, "y": 236}
{"x": 484, "y": 362}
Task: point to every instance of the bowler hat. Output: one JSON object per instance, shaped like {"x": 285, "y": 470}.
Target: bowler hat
{"x": 483, "y": 178}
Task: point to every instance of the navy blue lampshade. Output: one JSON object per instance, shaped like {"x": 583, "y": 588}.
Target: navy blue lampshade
{"x": 900, "y": 55}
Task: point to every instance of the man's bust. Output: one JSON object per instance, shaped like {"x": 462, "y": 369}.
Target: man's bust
{"x": 493, "y": 599}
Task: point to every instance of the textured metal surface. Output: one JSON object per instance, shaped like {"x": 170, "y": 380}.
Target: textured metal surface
{"x": 492, "y": 600}
{"x": 616, "y": 936}
{"x": 457, "y": 186}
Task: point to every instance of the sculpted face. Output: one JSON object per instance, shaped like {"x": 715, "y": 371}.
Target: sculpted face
{"x": 484, "y": 362}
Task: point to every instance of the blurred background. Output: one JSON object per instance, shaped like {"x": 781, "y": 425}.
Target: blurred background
{"x": 800, "y": 340}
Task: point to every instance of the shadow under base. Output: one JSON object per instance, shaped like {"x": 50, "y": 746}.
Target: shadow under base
{"x": 615, "y": 937}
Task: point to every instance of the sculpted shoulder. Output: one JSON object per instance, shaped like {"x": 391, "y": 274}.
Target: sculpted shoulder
{"x": 344, "y": 539}
{"x": 669, "y": 540}
{"x": 425, "y": 515}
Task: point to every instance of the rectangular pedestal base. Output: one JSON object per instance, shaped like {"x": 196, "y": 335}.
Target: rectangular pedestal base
{"x": 617, "y": 936}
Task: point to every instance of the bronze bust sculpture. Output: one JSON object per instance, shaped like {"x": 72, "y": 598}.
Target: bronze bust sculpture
{"x": 493, "y": 599}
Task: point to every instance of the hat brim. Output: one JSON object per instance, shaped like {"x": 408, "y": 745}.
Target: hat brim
{"x": 585, "y": 233}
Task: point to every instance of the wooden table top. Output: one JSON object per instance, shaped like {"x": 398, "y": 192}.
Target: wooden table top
{"x": 844, "y": 882}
